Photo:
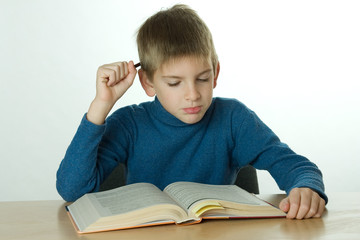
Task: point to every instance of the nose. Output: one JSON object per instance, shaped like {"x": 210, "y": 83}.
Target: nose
{"x": 192, "y": 93}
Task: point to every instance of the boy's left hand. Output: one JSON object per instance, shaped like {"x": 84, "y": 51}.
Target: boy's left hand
{"x": 302, "y": 203}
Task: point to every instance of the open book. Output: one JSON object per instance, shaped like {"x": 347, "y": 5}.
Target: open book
{"x": 143, "y": 204}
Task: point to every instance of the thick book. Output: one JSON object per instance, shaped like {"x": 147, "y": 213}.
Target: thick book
{"x": 143, "y": 204}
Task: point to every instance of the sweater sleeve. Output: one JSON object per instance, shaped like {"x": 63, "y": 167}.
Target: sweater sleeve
{"x": 257, "y": 144}
{"x": 89, "y": 159}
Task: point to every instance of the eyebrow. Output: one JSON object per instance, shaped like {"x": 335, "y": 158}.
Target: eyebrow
{"x": 179, "y": 77}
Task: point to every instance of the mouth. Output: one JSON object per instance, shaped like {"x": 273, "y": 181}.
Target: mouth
{"x": 192, "y": 110}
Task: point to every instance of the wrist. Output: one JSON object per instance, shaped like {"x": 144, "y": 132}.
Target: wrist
{"x": 98, "y": 111}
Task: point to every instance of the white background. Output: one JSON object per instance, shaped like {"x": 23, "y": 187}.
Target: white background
{"x": 295, "y": 63}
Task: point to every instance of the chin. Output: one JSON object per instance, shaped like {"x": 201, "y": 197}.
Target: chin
{"x": 192, "y": 120}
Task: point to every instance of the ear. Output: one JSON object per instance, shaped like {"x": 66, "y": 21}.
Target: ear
{"x": 146, "y": 83}
{"x": 216, "y": 73}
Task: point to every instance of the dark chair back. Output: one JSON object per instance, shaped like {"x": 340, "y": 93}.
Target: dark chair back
{"x": 246, "y": 179}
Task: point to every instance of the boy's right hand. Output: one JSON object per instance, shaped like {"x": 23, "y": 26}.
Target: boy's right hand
{"x": 112, "y": 81}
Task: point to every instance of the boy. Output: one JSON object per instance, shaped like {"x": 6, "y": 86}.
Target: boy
{"x": 184, "y": 134}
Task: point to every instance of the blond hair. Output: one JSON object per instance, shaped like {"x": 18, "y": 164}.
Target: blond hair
{"x": 173, "y": 33}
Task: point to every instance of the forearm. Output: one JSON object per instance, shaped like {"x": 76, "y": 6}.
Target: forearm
{"x": 291, "y": 170}
{"x": 258, "y": 145}
{"x": 85, "y": 166}
{"x": 306, "y": 175}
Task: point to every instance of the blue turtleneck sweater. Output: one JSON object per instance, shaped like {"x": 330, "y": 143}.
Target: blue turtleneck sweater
{"x": 157, "y": 147}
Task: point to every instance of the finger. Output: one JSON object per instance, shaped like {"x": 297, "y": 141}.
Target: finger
{"x": 106, "y": 75}
{"x": 118, "y": 68}
{"x": 121, "y": 69}
{"x": 117, "y": 72}
{"x": 306, "y": 201}
{"x": 294, "y": 201}
{"x": 131, "y": 73}
{"x": 132, "y": 68}
{"x": 314, "y": 207}
{"x": 321, "y": 208}
{"x": 125, "y": 75}
{"x": 126, "y": 69}
{"x": 113, "y": 76}
{"x": 284, "y": 205}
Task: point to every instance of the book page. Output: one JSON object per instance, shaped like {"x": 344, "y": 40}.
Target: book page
{"x": 188, "y": 193}
{"x": 128, "y": 198}
{"x": 92, "y": 207}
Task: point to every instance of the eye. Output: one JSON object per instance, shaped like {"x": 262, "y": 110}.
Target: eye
{"x": 203, "y": 79}
{"x": 173, "y": 84}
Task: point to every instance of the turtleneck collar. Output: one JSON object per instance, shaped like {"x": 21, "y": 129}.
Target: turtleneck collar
{"x": 160, "y": 113}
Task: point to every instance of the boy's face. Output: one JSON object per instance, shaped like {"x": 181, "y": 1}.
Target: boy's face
{"x": 184, "y": 87}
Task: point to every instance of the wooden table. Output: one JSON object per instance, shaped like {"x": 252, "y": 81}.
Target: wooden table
{"x": 48, "y": 220}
